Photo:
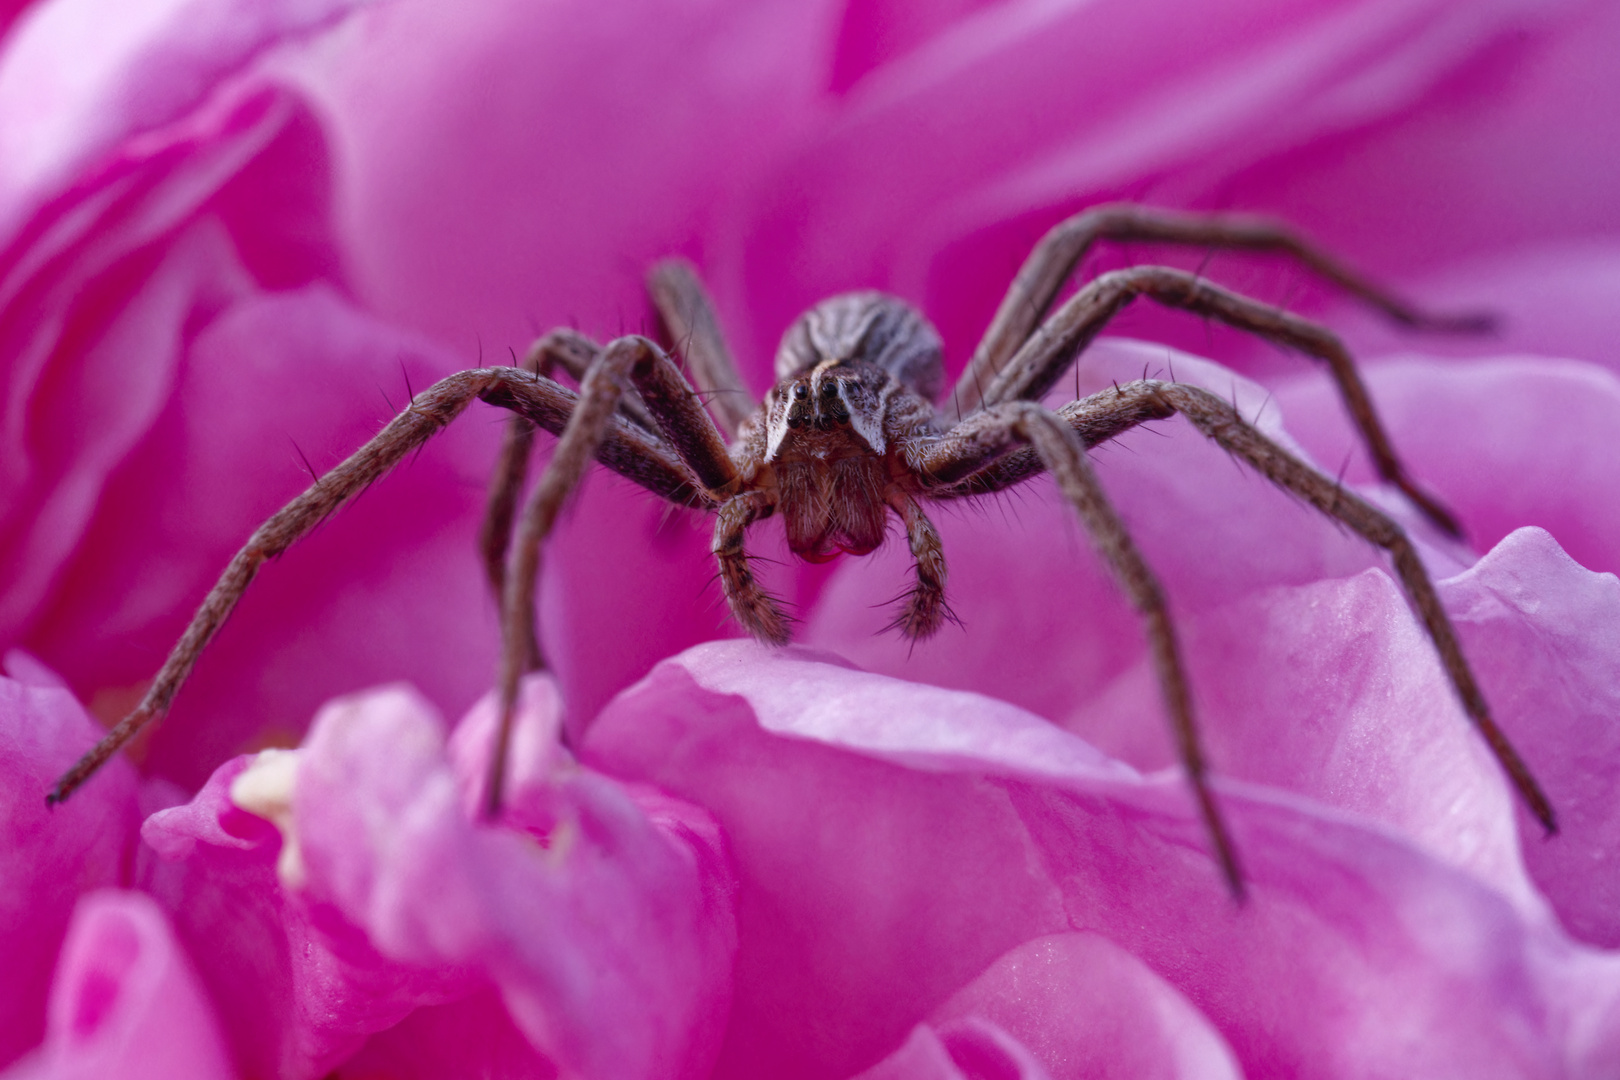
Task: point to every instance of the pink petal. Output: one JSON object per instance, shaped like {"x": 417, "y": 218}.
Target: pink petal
{"x": 868, "y": 894}
{"x": 1028, "y": 112}
{"x": 81, "y": 77}
{"x": 964, "y": 1050}
{"x": 118, "y": 125}
{"x": 512, "y": 167}
{"x": 126, "y": 1002}
{"x": 877, "y": 32}
{"x": 273, "y": 382}
{"x": 1544, "y": 634}
{"x": 298, "y": 989}
{"x": 1548, "y": 298}
{"x": 48, "y": 856}
{"x": 1087, "y": 1008}
{"x": 921, "y": 1057}
{"x": 1507, "y": 442}
{"x": 618, "y": 911}
{"x": 159, "y": 398}
{"x": 91, "y": 354}
{"x": 470, "y": 1039}
{"x": 1498, "y": 159}
{"x": 1334, "y": 691}
{"x": 1355, "y": 955}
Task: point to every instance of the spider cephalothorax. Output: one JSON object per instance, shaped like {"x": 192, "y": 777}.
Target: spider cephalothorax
{"x": 849, "y": 433}
{"x": 854, "y": 377}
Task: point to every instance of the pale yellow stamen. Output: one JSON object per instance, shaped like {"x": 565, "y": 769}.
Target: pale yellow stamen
{"x": 265, "y": 789}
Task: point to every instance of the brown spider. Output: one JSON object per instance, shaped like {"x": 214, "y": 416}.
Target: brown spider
{"x": 850, "y": 433}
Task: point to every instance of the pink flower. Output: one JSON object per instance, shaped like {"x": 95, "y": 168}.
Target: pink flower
{"x": 236, "y": 235}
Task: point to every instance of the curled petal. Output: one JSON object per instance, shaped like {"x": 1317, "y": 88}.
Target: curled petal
{"x": 126, "y": 1002}
{"x": 971, "y": 1049}
{"x": 297, "y": 987}
{"x": 604, "y": 909}
{"x": 48, "y": 856}
{"x": 1087, "y": 1008}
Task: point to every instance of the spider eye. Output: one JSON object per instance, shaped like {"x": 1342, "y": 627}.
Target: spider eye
{"x": 800, "y": 392}
{"x": 829, "y": 389}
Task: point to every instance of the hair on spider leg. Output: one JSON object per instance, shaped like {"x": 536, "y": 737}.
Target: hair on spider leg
{"x": 310, "y": 469}
{"x": 409, "y": 389}
{"x": 1203, "y": 264}
{"x": 1261, "y": 410}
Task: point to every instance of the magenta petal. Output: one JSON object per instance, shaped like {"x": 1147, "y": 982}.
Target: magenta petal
{"x": 921, "y": 1057}
{"x": 1333, "y": 690}
{"x": 1356, "y": 954}
{"x": 513, "y": 167}
{"x": 298, "y": 989}
{"x": 991, "y": 132}
{"x": 1549, "y": 298}
{"x": 615, "y": 912}
{"x": 126, "y": 1002}
{"x": 1501, "y": 157}
{"x": 391, "y": 587}
{"x": 1545, "y": 634}
{"x": 470, "y": 1039}
{"x": 1506, "y": 442}
{"x": 83, "y": 76}
{"x": 971, "y": 1049}
{"x": 126, "y": 142}
{"x": 1086, "y": 1008}
{"x": 91, "y": 355}
{"x": 868, "y": 893}
{"x": 48, "y": 856}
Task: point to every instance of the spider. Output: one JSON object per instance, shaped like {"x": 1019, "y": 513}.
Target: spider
{"x": 851, "y": 433}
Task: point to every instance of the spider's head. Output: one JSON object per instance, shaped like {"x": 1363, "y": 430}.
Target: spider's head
{"x": 835, "y": 411}
{"x": 838, "y": 366}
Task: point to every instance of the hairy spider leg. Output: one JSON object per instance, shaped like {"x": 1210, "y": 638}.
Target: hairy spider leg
{"x": 756, "y": 609}
{"x": 573, "y": 352}
{"x": 635, "y": 454}
{"x": 1001, "y": 428}
{"x": 951, "y": 461}
{"x": 1053, "y": 261}
{"x": 688, "y": 315}
{"x": 1049, "y": 351}
{"x": 687, "y": 429}
{"x": 924, "y": 610}
{"x": 1222, "y": 423}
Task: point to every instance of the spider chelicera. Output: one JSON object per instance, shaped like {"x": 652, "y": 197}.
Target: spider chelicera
{"x": 851, "y": 433}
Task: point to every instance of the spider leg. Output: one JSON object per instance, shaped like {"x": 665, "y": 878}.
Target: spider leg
{"x": 925, "y": 610}
{"x": 1109, "y": 413}
{"x": 1054, "y": 259}
{"x": 573, "y": 352}
{"x": 626, "y": 450}
{"x": 1043, "y": 359}
{"x": 688, "y": 430}
{"x": 688, "y": 314}
{"x": 752, "y": 606}
{"x": 1053, "y": 440}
